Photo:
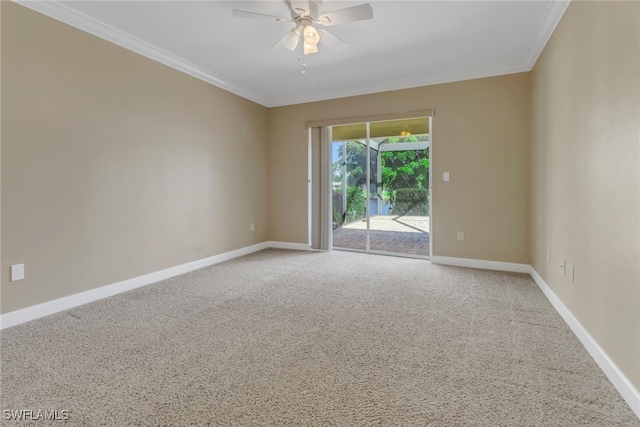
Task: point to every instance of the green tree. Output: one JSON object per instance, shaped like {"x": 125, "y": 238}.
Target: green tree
{"x": 404, "y": 182}
{"x": 405, "y": 177}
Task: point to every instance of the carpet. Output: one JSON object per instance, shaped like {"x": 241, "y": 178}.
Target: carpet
{"x": 312, "y": 338}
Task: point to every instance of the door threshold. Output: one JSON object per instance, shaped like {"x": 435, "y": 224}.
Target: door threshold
{"x": 383, "y": 253}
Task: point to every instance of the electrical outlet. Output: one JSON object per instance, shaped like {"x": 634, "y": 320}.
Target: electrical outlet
{"x": 17, "y": 272}
{"x": 252, "y": 227}
{"x": 460, "y": 235}
{"x": 563, "y": 266}
{"x": 548, "y": 255}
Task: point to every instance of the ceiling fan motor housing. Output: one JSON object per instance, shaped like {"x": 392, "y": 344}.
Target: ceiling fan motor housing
{"x": 305, "y": 14}
{"x": 303, "y": 9}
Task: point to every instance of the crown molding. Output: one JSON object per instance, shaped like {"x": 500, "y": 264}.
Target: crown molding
{"x": 553, "y": 15}
{"x": 60, "y": 12}
{"x": 387, "y": 86}
{"x": 551, "y": 19}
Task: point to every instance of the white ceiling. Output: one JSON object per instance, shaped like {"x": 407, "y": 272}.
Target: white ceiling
{"x": 406, "y": 44}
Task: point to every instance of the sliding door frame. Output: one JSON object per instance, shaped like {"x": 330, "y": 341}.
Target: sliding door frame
{"x": 320, "y": 180}
{"x": 430, "y": 186}
{"x": 367, "y": 197}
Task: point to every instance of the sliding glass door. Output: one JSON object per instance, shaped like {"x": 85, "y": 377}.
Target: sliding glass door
{"x": 381, "y": 187}
{"x": 349, "y": 171}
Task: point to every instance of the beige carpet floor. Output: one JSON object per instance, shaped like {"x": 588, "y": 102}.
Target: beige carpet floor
{"x": 302, "y": 338}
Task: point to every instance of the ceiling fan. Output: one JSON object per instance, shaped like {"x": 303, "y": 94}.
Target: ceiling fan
{"x": 304, "y": 14}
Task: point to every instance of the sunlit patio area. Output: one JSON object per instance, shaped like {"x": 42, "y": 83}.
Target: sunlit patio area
{"x": 389, "y": 233}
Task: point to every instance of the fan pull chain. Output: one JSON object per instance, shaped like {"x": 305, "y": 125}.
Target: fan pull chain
{"x": 303, "y": 67}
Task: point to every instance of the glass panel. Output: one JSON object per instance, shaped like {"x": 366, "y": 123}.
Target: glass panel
{"x": 398, "y": 186}
{"x": 401, "y": 222}
{"x": 349, "y": 189}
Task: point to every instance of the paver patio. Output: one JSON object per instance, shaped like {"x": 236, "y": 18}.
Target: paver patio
{"x": 389, "y": 233}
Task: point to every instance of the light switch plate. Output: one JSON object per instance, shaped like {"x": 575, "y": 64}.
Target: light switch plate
{"x": 445, "y": 176}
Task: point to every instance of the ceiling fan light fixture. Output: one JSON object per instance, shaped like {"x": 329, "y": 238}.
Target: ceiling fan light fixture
{"x": 310, "y": 48}
{"x": 304, "y": 14}
{"x": 311, "y": 35}
{"x": 290, "y": 39}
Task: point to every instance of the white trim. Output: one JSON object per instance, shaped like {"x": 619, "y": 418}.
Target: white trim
{"x": 551, "y": 19}
{"x": 478, "y": 263}
{"x": 367, "y": 193}
{"x": 309, "y": 188}
{"x": 430, "y": 186}
{"x": 50, "y": 307}
{"x": 626, "y": 389}
{"x": 63, "y": 13}
{"x": 424, "y": 80}
{"x": 59, "y": 11}
{"x": 326, "y": 187}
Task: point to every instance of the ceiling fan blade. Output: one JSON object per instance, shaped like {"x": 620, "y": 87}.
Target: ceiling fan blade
{"x": 289, "y": 39}
{"x": 344, "y": 16}
{"x": 261, "y": 16}
{"x": 333, "y": 41}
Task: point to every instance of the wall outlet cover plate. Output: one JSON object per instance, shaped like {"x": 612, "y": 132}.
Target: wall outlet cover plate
{"x": 17, "y": 272}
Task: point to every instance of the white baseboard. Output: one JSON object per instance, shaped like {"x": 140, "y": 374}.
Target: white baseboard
{"x": 626, "y": 389}
{"x": 50, "y": 307}
{"x": 478, "y": 263}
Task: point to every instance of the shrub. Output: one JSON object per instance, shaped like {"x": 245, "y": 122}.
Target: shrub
{"x": 411, "y": 201}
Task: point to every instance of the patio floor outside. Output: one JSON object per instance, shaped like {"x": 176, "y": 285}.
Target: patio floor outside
{"x": 389, "y": 233}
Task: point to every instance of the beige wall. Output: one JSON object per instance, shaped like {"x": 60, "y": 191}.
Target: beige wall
{"x": 480, "y": 135}
{"x": 113, "y": 165}
{"x": 1, "y": 264}
{"x": 585, "y": 153}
